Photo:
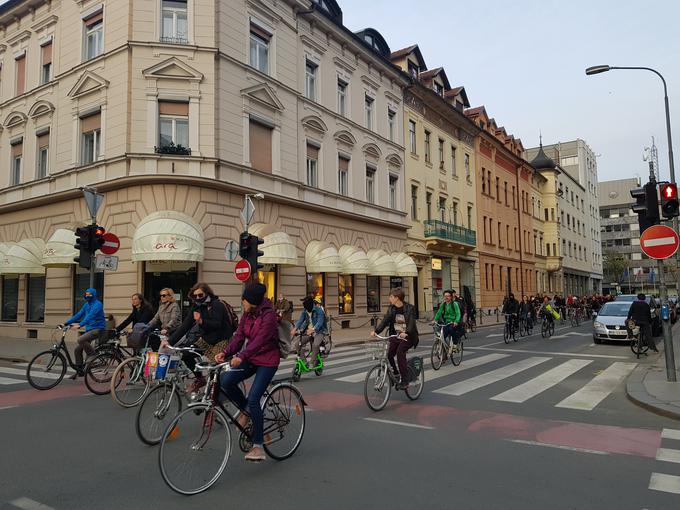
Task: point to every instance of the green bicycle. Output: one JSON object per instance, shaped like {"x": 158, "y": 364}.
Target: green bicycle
{"x": 301, "y": 366}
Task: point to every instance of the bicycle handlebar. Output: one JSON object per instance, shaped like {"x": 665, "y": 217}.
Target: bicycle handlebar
{"x": 379, "y": 337}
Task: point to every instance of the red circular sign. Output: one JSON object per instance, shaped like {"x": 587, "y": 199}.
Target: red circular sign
{"x": 659, "y": 242}
{"x": 111, "y": 244}
{"x": 242, "y": 270}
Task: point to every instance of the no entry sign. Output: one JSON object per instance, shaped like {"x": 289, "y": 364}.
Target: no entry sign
{"x": 659, "y": 242}
{"x": 111, "y": 243}
{"x": 242, "y": 270}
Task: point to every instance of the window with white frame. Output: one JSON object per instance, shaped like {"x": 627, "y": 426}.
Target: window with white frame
{"x": 259, "y": 48}
{"x": 441, "y": 154}
{"x": 310, "y": 80}
{"x": 342, "y": 98}
{"x": 442, "y": 209}
{"x": 414, "y": 202}
{"x": 94, "y": 35}
{"x": 427, "y": 147}
{"x": 454, "y": 170}
{"x": 454, "y": 212}
{"x": 370, "y": 184}
{"x": 90, "y": 128}
{"x": 343, "y": 176}
{"x": 46, "y": 63}
{"x": 42, "y": 161}
{"x": 175, "y": 25}
{"x": 173, "y": 123}
{"x": 412, "y": 136}
{"x": 17, "y": 158}
{"x": 391, "y": 120}
{"x": 368, "y": 110}
{"x": 394, "y": 180}
{"x": 312, "y": 165}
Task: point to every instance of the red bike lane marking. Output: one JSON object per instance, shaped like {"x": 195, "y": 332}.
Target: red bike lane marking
{"x": 32, "y": 396}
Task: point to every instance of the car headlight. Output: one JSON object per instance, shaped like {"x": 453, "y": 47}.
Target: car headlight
{"x": 598, "y": 325}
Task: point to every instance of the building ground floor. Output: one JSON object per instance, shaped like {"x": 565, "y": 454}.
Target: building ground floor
{"x": 579, "y": 283}
{"x": 174, "y": 235}
{"x": 501, "y": 275}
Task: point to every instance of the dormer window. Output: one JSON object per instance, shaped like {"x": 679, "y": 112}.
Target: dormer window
{"x": 413, "y": 69}
{"x": 439, "y": 88}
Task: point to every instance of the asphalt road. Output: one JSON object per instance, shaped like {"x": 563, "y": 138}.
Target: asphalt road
{"x": 535, "y": 424}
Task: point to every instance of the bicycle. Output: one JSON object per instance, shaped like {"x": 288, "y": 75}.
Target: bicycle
{"x": 196, "y": 445}
{"x": 547, "y": 326}
{"x": 509, "y": 330}
{"x": 129, "y": 384}
{"x": 574, "y": 316}
{"x": 100, "y": 368}
{"x": 48, "y": 368}
{"x": 301, "y": 366}
{"x": 380, "y": 378}
{"x": 443, "y": 349}
{"x": 637, "y": 343}
{"x": 470, "y": 324}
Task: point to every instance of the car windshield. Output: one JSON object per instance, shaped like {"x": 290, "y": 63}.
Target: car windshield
{"x": 615, "y": 309}
{"x": 628, "y": 298}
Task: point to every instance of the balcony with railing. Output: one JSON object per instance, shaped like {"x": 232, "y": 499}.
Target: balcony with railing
{"x": 175, "y": 150}
{"x": 450, "y": 232}
{"x": 166, "y": 39}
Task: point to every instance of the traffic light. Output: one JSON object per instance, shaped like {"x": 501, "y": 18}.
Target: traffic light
{"x": 254, "y": 253}
{"x": 668, "y": 193}
{"x": 84, "y": 259}
{"x": 96, "y": 237}
{"x": 243, "y": 241}
{"x": 646, "y": 206}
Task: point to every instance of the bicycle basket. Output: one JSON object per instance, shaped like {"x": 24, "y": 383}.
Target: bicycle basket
{"x": 415, "y": 365}
{"x": 375, "y": 349}
{"x": 150, "y": 362}
{"x": 166, "y": 366}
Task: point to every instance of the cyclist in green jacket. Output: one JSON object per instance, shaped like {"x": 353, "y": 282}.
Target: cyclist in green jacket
{"x": 450, "y": 311}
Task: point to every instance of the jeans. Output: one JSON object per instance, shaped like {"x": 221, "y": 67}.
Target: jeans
{"x": 399, "y": 347}
{"x": 450, "y": 331}
{"x": 84, "y": 345}
{"x": 263, "y": 375}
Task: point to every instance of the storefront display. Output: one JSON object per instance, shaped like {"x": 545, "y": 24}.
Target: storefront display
{"x": 315, "y": 286}
{"x": 345, "y": 294}
{"x": 373, "y": 294}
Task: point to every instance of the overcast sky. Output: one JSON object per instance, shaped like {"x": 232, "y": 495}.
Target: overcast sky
{"x": 524, "y": 60}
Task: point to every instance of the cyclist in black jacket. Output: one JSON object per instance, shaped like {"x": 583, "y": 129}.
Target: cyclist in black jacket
{"x": 641, "y": 313}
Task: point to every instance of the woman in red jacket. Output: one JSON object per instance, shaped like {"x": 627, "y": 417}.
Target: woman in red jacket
{"x": 260, "y": 357}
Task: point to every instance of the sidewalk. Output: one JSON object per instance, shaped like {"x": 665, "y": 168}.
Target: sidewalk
{"x": 647, "y": 386}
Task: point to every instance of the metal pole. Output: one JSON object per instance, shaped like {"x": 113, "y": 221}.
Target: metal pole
{"x": 93, "y": 258}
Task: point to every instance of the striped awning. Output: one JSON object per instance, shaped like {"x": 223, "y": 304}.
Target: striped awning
{"x": 354, "y": 260}
{"x": 278, "y": 247}
{"x": 322, "y": 257}
{"x": 405, "y": 265}
{"x": 381, "y": 263}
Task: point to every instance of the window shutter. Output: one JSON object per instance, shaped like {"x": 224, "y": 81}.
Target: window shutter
{"x": 90, "y": 123}
{"x": 312, "y": 152}
{"x": 94, "y": 19}
{"x": 260, "y": 147}
{"x": 343, "y": 164}
{"x": 254, "y": 29}
{"x": 47, "y": 54}
{"x": 173, "y": 108}
{"x": 17, "y": 149}
{"x": 44, "y": 140}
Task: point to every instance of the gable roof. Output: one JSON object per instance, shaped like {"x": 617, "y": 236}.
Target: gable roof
{"x": 452, "y": 93}
{"x": 396, "y": 55}
{"x": 428, "y": 76}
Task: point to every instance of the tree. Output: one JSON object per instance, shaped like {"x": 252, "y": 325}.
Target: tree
{"x": 613, "y": 266}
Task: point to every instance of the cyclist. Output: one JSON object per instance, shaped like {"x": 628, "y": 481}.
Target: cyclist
{"x": 168, "y": 317}
{"x": 400, "y": 319}
{"x": 259, "y": 357}
{"x": 141, "y": 313}
{"x": 312, "y": 322}
{"x": 547, "y": 310}
{"x": 90, "y": 317}
{"x": 511, "y": 307}
{"x": 641, "y": 313}
{"x": 525, "y": 310}
{"x": 450, "y": 311}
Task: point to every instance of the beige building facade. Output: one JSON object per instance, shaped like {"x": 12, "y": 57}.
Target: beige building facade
{"x": 174, "y": 110}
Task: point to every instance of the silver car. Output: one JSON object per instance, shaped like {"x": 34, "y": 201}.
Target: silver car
{"x": 610, "y": 322}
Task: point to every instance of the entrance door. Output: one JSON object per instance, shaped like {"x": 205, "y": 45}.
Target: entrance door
{"x": 179, "y": 281}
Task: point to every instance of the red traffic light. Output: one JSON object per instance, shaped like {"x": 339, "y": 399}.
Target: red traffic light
{"x": 99, "y": 231}
{"x": 669, "y": 191}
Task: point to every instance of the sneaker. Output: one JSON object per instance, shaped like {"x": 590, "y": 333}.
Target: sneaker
{"x": 402, "y": 385}
{"x": 256, "y": 454}
{"x": 455, "y": 347}
{"x": 78, "y": 373}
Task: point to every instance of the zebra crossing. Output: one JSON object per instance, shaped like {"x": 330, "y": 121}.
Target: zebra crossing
{"x": 665, "y": 482}
{"x": 482, "y": 369}
{"x": 15, "y": 374}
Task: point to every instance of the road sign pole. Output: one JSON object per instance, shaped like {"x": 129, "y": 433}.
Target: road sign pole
{"x": 666, "y": 326}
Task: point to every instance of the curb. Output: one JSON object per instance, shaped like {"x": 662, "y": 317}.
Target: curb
{"x": 636, "y": 393}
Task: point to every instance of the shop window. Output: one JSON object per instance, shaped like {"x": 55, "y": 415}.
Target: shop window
{"x": 396, "y": 282}
{"x": 373, "y": 294}
{"x": 81, "y": 282}
{"x": 267, "y": 277}
{"x": 316, "y": 286}
{"x": 94, "y": 36}
{"x": 345, "y": 294}
{"x": 35, "y": 298}
{"x": 10, "y": 298}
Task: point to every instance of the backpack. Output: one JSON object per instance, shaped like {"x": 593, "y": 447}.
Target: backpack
{"x": 285, "y": 339}
{"x": 231, "y": 314}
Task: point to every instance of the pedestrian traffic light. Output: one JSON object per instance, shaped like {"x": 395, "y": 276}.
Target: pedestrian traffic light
{"x": 84, "y": 258}
{"x": 646, "y": 206}
{"x": 668, "y": 195}
{"x": 96, "y": 237}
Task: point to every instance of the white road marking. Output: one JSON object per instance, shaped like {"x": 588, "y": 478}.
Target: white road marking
{"x": 474, "y": 383}
{"x": 330, "y": 369}
{"x": 18, "y": 371}
{"x": 29, "y": 504}
{"x": 605, "y": 356}
{"x": 7, "y": 407}
{"x": 5, "y": 381}
{"x": 599, "y": 388}
{"x": 400, "y": 423}
{"x": 668, "y": 455}
{"x": 665, "y": 483}
{"x": 494, "y": 335}
{"x": 558, "y": 446}
{"x": 670, "y": 434}
{"x": 543, "y": 382}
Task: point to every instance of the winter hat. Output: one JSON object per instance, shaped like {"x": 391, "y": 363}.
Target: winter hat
{"x": 254, "y": 293}
{"x": 308, "y": 303}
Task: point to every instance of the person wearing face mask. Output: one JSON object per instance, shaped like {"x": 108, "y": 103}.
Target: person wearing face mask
{"x": 91, "y": 317}
{"x": 312, "y": 323}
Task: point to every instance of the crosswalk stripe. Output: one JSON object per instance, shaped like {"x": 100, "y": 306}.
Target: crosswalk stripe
{"x": 18, "y": 371}
{"x": 668, "y": 455}
{"x": 474, "y": 383}
{"x": 290, "y": 362}
{"x": 543, "y": 382}
{"x": 6, "y": 381}
{"x": 665, "y": 483}
{"x": 332, "y": 360}
{"x": 369, "y": 363}
{"x": 598, "y": 388}
{"x": 670, "y": 434}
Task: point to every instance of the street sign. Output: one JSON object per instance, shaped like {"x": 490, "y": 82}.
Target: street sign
{"x": 93, "y": 200}
{"x": 248, "y": 211}
{"x": 107, "y": 262}
{"x": 111, "y": 244}
{"x": 231, "y": 251}
{"x": 242, "y": 270}
{"x": 659, "y": 242}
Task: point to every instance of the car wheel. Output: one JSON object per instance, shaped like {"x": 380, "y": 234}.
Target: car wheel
{"x": 597, "y": 340}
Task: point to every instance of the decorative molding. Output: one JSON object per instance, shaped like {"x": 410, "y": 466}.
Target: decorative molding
{"x": 370, "y": 82}
{"x": 15, "y": 40}
{"x": 40, "y": 108}
{"x": 345, "y": 137}
{"x": 394, "y": 159}
{"x": 172, "y": 69}
{"x": 391, "y": 96}
{"x": 45, "y": 23}
{"x": 315, "y": 124}
{"x": 315, "y": 45}
{"x": 372, "y": 150}
{"x": 15, "y": 119}
{"x": 344, "y": 65}
{"x": 263, "y": 94}
{"x": 87, "y": 83}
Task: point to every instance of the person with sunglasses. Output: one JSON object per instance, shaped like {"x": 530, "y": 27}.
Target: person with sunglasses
{"x": 168, "y": 317}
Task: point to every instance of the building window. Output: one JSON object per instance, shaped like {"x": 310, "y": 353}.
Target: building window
{"x": 175, "y": 28}
{"x": 373, "y": 294}
{"x": 260, "y": 146}
{"x": 454, "y": 211}
{"x": 20, "y": 74}
{"x": 259, "y": 48}
{"x": 81, "y": 281}
{"x": 500, "y": 239}
{"x": 43, "y": 143}
{"x": 441, "y": 154}
{"x": 454, "y": 170}
{"x": 90, "y": 128}
{"x": 315, "y": 286}
{"x": 439, "y": 89}
{"x": 442, "y": 210}
{"x": 498, "y": 186}
{"x": 414, "y": 203}
{"x": 310, "y": 80}
{"x": 427, "y": 146}
{"x": 413, "y": 69}
{"x": 394, "y": 180}
{"x": 391, "y": 119}
{"x": 10, "y": 298}
{"x": 35, "y": 298}
{"x": 342, "y": 98}
{"x": 506, "y": 193}
{"x": 173, "y": 122}
{"x": 94, "y": 36}
{"x": 312, "y": 166}
{"x": 17, "y": 158}
{"x": 469, "y": 216}
{"x": 467, "y": 166}
{"x": 412, "y": 136}
{"x": 46, "y": 69}
{"x": 343, "y": 176}
{"x": 514, "y": 198}
{"x": 483, "y": 181}
{"x": 428, "y": 202}
{"x": 345, "y": 294}
{"x": 370, "y": 185}
{"x": 368, "y": 110}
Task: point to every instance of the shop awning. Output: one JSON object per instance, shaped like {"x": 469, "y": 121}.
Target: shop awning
{"x": 381, "y": 264}
{"x": 4, "y": 250}
{"x": 405, "y": 265}
{"x": 354, "y": 260}
{"x": 278, "y": 247}
{"x": 168, "y": 235}
{"x": 322, "y": 257}
{"x": 25, "y": 257}
{"x": 60, "y": 249}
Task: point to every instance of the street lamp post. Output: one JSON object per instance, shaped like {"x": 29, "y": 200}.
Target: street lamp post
{"x": 667, "y": 333}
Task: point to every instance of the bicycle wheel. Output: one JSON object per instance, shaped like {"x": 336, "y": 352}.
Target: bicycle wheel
{"x": 473, "y": 325}
{"x": 544, "y": 328}
{"x": 551, "y": 328}
{"x": 195, "y": 449}
{"x": 513, "y": 332}
{"x": 377, "y": 387}
{"x": 437, "y": 354}
{"x": 506, "y": 333}
{"x": 128, "y": 384}
{"x": 638, "y": 346}
{"x": 327, "y": 345}
{"x": 416, "y": 385}
{"x": 46, "y": 369}
{"x": 457, "y": 356}
{"x": 296, "y": 373}
{"x": 284, "y": 421}
{"x": 157, "y": 409}
{"x": 99, "y": 372}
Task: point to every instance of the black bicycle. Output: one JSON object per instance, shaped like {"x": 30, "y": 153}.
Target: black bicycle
{"x": 637, "y": 343}
{"x": 510, "y": 331}
{"x": 100, "y": 368}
